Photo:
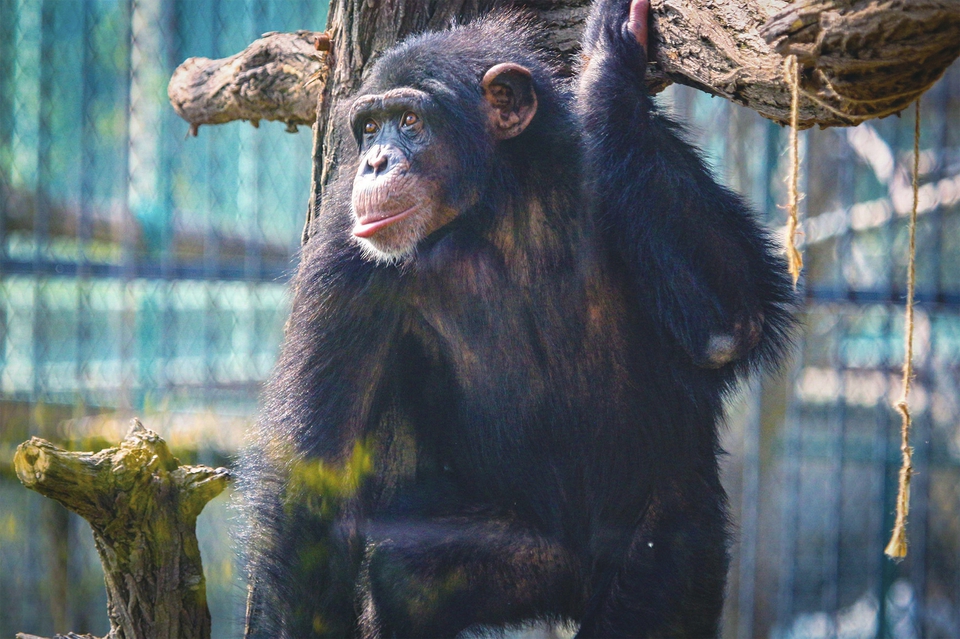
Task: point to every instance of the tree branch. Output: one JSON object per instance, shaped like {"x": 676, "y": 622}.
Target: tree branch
{"x": 278, "y": 77}
{"x": 867, "y": 58}
{"x": 862, "y": 59}
{"x": 142, "y": 505}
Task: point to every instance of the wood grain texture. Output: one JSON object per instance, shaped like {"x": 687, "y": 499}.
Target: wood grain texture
{"x": 861, "y": 59}
{"x": 269, "y": 80}
{"x": 142, "y": 505}
{"x": 866, "y": 59}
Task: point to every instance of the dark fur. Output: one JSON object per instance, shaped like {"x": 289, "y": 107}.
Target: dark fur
{"x": 510, "y": 426}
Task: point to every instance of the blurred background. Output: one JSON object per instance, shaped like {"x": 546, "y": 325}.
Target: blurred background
{"x": 144, "y": 273}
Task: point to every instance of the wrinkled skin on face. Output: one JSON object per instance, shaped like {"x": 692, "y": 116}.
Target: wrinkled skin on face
{"x": 398, "y": 194}
{"x": 402, "y": 189}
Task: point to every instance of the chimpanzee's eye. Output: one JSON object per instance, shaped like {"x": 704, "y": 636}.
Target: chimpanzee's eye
{"x": 370, "y": 127}
{"x": 410, "y": 119}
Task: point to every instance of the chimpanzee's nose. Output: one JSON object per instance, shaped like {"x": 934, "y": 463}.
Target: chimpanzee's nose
{"x": 379, "y": 160}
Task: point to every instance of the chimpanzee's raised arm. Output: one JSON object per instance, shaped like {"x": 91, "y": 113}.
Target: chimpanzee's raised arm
{"x": 696, "y": 254}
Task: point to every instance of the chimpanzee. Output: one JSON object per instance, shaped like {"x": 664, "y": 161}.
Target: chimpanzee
{"x": 514, "y": 323}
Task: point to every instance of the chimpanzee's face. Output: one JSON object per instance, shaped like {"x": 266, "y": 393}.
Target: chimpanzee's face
{"x": 398, "y": 192}
{"x": 410, "y": 181}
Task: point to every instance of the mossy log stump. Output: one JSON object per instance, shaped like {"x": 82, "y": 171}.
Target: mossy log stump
{"x": 142, "y": 505}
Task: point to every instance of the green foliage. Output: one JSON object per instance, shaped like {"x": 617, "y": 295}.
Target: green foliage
{"x": 322, "y": 487}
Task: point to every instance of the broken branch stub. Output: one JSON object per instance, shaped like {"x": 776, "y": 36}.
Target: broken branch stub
{"x": 142, "y": 505}
{"x": 276, "y": 78}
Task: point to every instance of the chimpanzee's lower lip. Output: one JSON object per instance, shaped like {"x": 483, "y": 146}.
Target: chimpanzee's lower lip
{"x": 367, "y": 229}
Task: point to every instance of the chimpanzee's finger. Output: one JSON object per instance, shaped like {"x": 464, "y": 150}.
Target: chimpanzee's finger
{"x": 638, "y": 21}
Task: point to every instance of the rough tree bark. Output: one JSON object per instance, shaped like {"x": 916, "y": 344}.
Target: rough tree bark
{"x": 271, "y": 79}
{"x": 860, "y": 59}
{"x": 142, "y": 505}
{"x": 864, "y": 59}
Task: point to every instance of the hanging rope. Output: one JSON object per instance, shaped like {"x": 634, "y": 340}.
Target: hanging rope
{"x": 897, "y": 548}
{"x": 791, "y": 72}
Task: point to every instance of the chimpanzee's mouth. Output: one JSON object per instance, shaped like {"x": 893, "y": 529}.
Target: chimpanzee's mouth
{"x": 371, "y": 224}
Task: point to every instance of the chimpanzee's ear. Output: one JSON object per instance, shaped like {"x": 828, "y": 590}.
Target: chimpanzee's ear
{"x": 509, "y": 91}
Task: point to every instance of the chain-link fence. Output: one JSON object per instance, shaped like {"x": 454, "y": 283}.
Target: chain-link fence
{"x": 143, "y": 272}
{"x": 138, "y": 265}
{"x": 814, "y": 458}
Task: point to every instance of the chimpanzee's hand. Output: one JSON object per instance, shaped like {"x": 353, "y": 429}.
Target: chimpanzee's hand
{"x": 722, "y": 347}
{"x": 612, "y": 18}
{"x": 721, "y": 315}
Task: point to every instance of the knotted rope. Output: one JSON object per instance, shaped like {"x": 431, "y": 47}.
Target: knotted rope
{"x": 791, "y": 72}
{"x": 897, "y": 548}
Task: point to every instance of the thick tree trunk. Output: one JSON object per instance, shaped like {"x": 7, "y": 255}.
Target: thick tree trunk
{"x": 142, "y": 505}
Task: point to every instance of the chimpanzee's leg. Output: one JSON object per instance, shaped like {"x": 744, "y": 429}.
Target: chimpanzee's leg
{"x": 436, "y": 578}
{"x": 671, "y": 582}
